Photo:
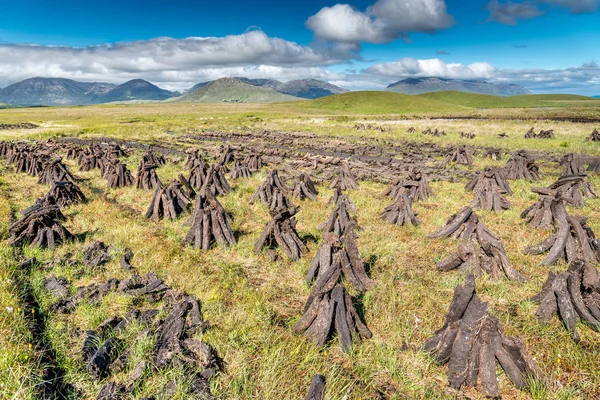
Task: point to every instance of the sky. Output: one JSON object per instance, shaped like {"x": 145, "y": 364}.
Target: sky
{"x": 547, "y": 46}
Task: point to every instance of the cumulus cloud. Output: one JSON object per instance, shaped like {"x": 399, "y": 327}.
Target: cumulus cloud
{"x": 410, "y": 67}
{"x": 581, "y": 79}
{"x": 382, "y": 22}
{"x": 174, "y": 62}
{"x": 509, "y": 13}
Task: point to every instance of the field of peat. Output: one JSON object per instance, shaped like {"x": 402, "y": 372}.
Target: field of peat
{"x": 177, "y": 251}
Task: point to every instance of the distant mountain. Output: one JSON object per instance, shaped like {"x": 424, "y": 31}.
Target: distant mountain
{"x": 53, "y": 92}
{"x": 309, "y": 88}
{"x": 426, "y": 85}
{"x": 303, "y": 88}
{"x": 232, "y": 90}
{"x": 137, "y": 89}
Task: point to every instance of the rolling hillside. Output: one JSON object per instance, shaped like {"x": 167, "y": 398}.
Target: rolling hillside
{"x": 377, "y": 102}
{"x": 474, "y": 100}
{"x": 229, "y": 90}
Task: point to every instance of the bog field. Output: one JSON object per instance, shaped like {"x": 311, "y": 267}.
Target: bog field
{"x": 366, "y": 245}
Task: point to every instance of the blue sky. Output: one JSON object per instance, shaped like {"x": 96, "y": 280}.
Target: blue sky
{"x": 545, "y": 45}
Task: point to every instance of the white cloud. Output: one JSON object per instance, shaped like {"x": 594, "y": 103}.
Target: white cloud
{"x": 410, "y": 67}
{"x": 174, "y": 62}
{"x": 382, "y": 22}
{"x": 509, "y": 13}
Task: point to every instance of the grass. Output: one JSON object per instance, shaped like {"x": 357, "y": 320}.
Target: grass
{"x": 253, "y": 302}
{"x": 475, "y": 100}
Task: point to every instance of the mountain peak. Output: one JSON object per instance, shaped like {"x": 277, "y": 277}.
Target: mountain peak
{"x": 434, "y": 84}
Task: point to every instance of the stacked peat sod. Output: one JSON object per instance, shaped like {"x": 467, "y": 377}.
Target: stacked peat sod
{"x": 571, "y": 295}
{"x": 594, "y": 136}
{"x": 572, "y": 240}
{"x": 480, "y": 250}
{"x": 548, "y": 134}
{"x": 171, "y": 201}
{"x": 41, "y": 225}
{"x": 281, "y": 232}
{"x": 66, "y": 194}
{"x": 400, "y": 212}
{"x": 304, "y": 188}
{"x": 209, "y": 222}
{"x": 227, "y": 156}
{"x": 254, "y": 162}
{"x": 240, "y": 170}
{"x": 340, "y": 218}
{"x": 573, "y": 183}
{"x": 146, "y": 177}
{"x": 215, "y": 180}
{"x": 55, "y": 171}
{"x": 272, "y": 192}
{"x": 192, "y": 157}
{"x": 329, "y": 306}
{"x": 489, "y": 187}
{"x": 344, "y": 178}
{"x": 434, "y": 132}
{"x": 467, "y": 135}
{"x": 521, "y": 166}
{"x": 198, "y": 169}
{"x": 107, "y": 352}
{"x": 459, "y": 155}
{"x": 493, "y": 153}
{"x": 415, "y": 185}
{"x": 539, "y": 214}
{"x": 117, "y": 175}
{"x": 470, "y": 342}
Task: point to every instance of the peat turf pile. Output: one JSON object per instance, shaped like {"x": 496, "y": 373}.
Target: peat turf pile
{"x": 344, "y": 179}
{"x": 594, "y": 136}
{"x": 66, "y": 193}
{"x": 316, "y": 391}
{"x": 480, "y": 250}
{"x": 459, "y": 155}
{"x": 216, "y": 181}
{"x": 340, "y": 218}
{"x": 146, "y": 177}
{"x": 572, "y": 239}
{"x": 540, "y": 214}
{"x": 577, "y": 187}
{"x": 169, "y": 202}
{"x": 400, "y": 212}
{"x": 470, "y": 342}
{"x": 280, "y": 232}
{"x": 415, "y": 185}
{"x": 210, "y": 223}
{"x": 272, "y": 192}
{"x": 521, "y": 166}
{"x": 489, "y": 187}
{"x": 117, "y": 175}
{"x": 55, "y": 171}
{"x": 254, "y": 162}
{"x": 572, "y": 295}
{"x": 304, "y": 188}
{"x": 240, "y": 170}
{"x": 41, "y": 225}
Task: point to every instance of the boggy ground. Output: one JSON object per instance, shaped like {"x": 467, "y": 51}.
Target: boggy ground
{"x": 251, "y": 301}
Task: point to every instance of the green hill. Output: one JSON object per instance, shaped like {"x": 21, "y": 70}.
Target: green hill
{"x": 474, "y": 100}
{"x": 227, "y": 90}
{"x": 377, "y": 102}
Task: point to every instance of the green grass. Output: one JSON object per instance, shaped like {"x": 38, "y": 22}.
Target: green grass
{"x": 375, "y": 102}
{"x": 474, "y": 100}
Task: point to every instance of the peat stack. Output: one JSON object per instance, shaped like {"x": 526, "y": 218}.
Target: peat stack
{"x": 339, "y": 255}
{"x": 415, "y": 185}
{"x": 117, "y": 175}
{"x": 594, "y": 165}
{"x": 73, "y": 151}
{"x": 254, "y": 162}
{"x": 55, "y": 171}
{"x": 400, "y": 212}
{"x": 489, "y": 187}
{"x": 227, "y": 156}
{"x": 480, "y": 250}
{"x": 36, "y": 163}
{"x": 272, "y": 191}
{"x": 467, "y": 135}
{"x": 572, "y": 164}
{"x": 573, "y": 238}
{"x": 41, "y": 225}
{"x": 572, "y": 295}
{"x": 66, "y": 193}
{"x": 329, "y": 307}
{"x": 168, "y": 202}
{"x": 340, "y": 218}
{"x": 210, "y": 223}
{"x": 240, "y": 170}
{"x": 113, "y": 150}
{"x": 280, "y": 232}
{"x": 577, "y": 187}
{"x": 304, "y": 188}
{"x": 216, "y": 181}
{"x": 459, "y": 155}
{"x": 521, "y": 166}
{"x": 198, "y": 171}
{"x": 539, "y": 214}
{"x": 153, "y": 158}
{"x": 493, "y": 153}
{"x": 548, "y": 134}
{"x": 344, "y": 179}
{"x": 192, "y": 157}
{"x": 594, "y": 136}
{"x": 412, "y": 129}
{"x": 146, "y": 177}
{"x": 530, "y": 134}
{"x": 470, "y": 342}
{"x": 89, "y": 159}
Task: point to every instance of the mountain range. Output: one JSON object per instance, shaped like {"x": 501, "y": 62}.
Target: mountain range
{"x": 431, "y": 84}
{"x": 67, "y": 92}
